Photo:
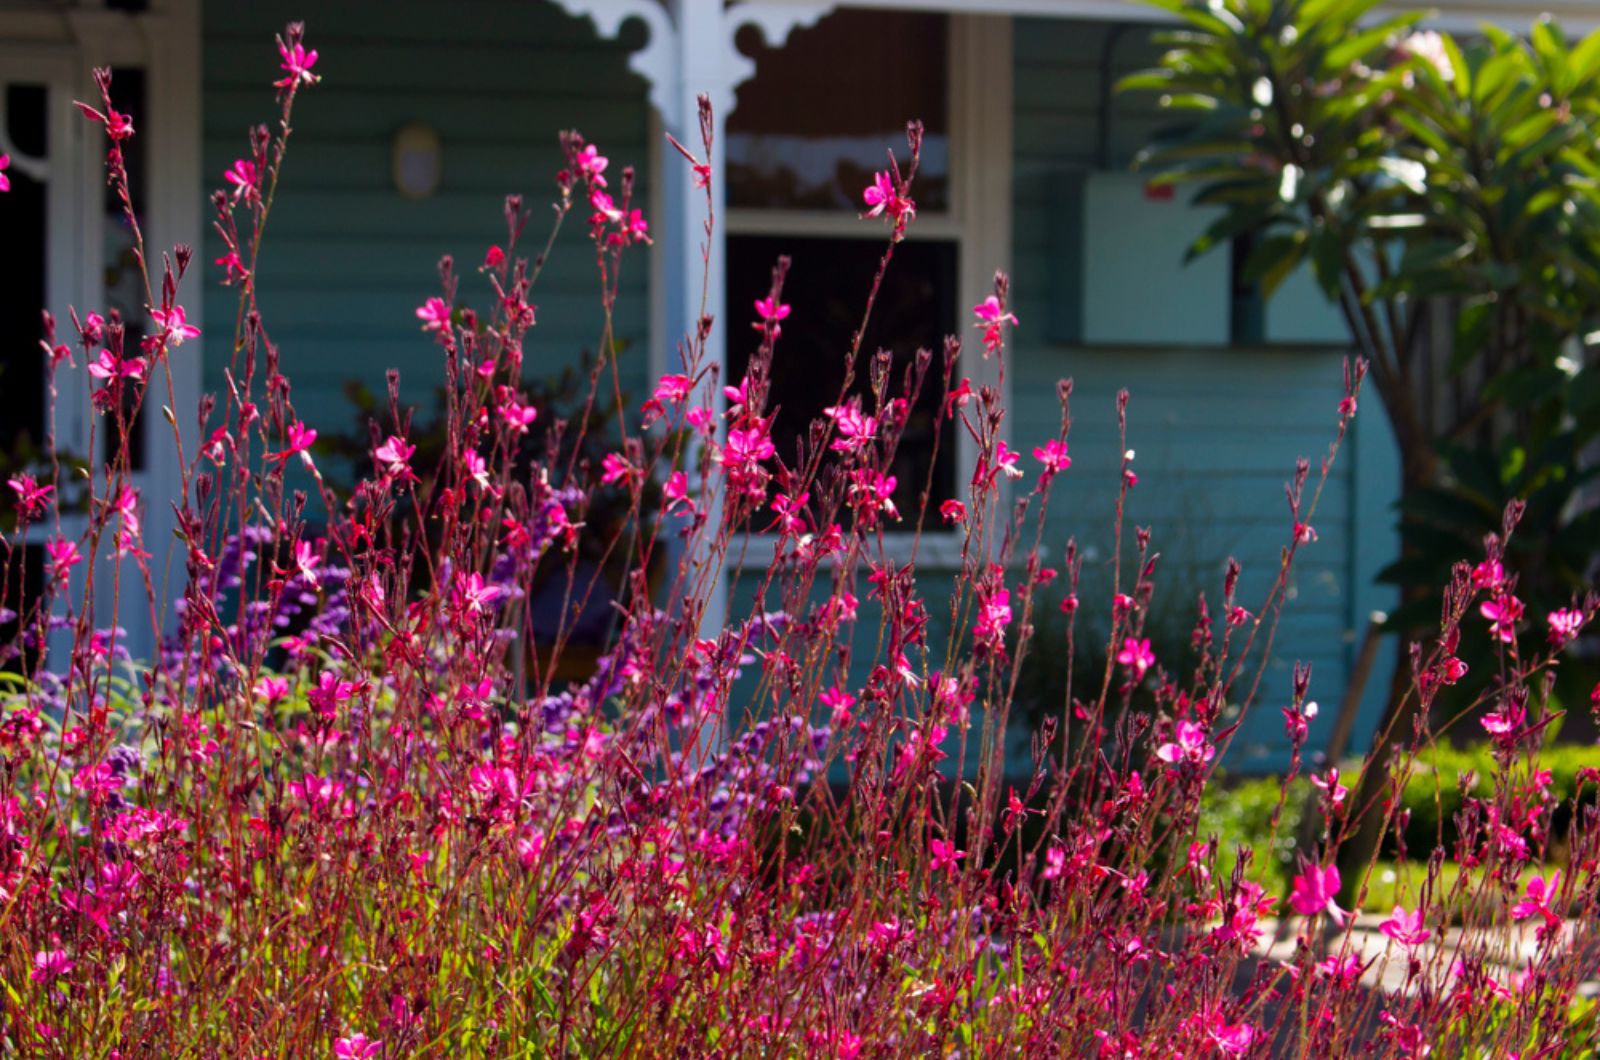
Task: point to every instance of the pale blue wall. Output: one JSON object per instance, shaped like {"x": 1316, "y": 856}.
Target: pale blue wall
{"x": 347, "y": 259}
{"x": 1216, "y": 430}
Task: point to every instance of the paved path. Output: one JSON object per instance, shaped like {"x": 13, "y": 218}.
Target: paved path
{"x": 1389, "y": 965}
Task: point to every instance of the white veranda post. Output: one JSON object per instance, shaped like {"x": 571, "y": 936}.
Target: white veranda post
{"x": 55, "y": 47}
{"x": 691, "y": 52}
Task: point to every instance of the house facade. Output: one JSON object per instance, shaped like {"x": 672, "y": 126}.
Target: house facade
{"x": 429, "y": 114}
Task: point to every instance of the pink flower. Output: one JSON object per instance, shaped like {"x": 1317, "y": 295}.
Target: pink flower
{"x": 233, "y": 268}
{"x": 990, "y": 311}
{"x": 952, "y": 511}
{"x": 118, "y": 125}
{"x": 271, "y": 690}
{"x": 477, "y": 467}
{"x": 1137, "y": 656}
{"x": 306, "y": 561}
{"x": 175, "y": 326}
{"x": 1331, "y": 785}
{"x": 50, "y": 965}
{"x": 357, "y": 1046}
{"x": 31, "y": 496}
{"x": 1505, "y": 721}
{"x": 994, "y": 615}
{"x": 1188, "y": 745}
{"x": 1502, "y": 611}
{"x": 329, "y": 693}
{"x": 737, "y": 396}
{"x": 395, "y": 455}
{"x": 855, "y": 427}
{"x": 1231, "y": 1039}
{"x": 945, "y": 855}
{"x": 676, "y": 492}
{"x": 882, "y": 195}
{"x": 771, "y": 314}
{"x": 245, "y": 178}
{"x": 297, "y": 63}
{"x": 1406, "y": 928}
{"x": 1541, "y": 892}
{"x": 1488, "y": 575}
{"x": 636, "y": 229}
{"x": 1005, "y": 460}
{"x": 300, "y": 439}
{"x": 1346, "y": 970}
{"x": 1053, "y": 455}
{"x": 474, "y": 594}
{"x": 518, "y": 417}
{"x": 1564, "y": 624}
{"x": 591, "y": 163}
{"x": 1316, "y": 891}
{"x": 958, "y": 397}
{"x": 5, "y": 163}
{"x": 992, "y": 318}
{"x": 746, "y": 449}
{"x": 1304, "y": 533}
{"x": 109, "y": 366}
{"x": 672, "y": 389}
{"x": 1055, "y": 859}
{"x": 64, "y": 555}
{"x": 615, "y": 468}
{"x": 839, "y": 702}
{"x": 879, "y": 194}
{"x": 790, "y": 512}
{"x": 605, "y": 208}
{"x": 434, "y": 314}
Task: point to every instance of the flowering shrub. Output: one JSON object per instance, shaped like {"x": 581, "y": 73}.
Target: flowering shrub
{"x": 347, "y": 813}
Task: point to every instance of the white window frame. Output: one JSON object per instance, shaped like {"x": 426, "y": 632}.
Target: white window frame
{"x": 978, "y": 222}
{"x": 60, "y": 47}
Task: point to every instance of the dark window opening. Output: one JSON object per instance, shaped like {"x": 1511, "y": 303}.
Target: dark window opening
{"x": 22, "y": 280}
{"x": 124, "y": 287}
{"x": 827, "y": 288}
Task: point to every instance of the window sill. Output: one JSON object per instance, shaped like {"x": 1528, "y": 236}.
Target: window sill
{"x": 938, "y": 551}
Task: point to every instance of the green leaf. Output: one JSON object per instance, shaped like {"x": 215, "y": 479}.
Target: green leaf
{"x": 1584, "y": 62}
{"x": 1472, "y": 334}
{"x": 1525, "y": 386}
{"x": 1451, "y": 508}
{"x": 1363, "y": 44}
{"x": 1273, "y": 259}
{"x": 1327, "y": 262}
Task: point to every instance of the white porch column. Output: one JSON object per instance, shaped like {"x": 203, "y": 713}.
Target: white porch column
{"x": 691, "y": 52}
{"x": 702, "y": 66}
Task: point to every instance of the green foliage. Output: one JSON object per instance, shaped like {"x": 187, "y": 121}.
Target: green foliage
{"x": 1240, "y": 814}
{"x": 1445, "y": 194}
{"x": 1435, "y": 791}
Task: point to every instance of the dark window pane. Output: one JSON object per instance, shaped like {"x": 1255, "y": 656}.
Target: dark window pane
{"x": 827, "y": 287}
{"x": 814, "y": 123}
{"x": 124, "y": 286}
{"x": 22, "y": 273}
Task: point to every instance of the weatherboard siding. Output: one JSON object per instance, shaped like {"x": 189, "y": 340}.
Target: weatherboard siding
{"x": 1216, "y": 431}
{"x": 347, "y": 259}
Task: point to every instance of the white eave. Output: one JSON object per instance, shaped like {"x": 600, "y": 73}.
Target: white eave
{"x": 1456, "y": 15}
